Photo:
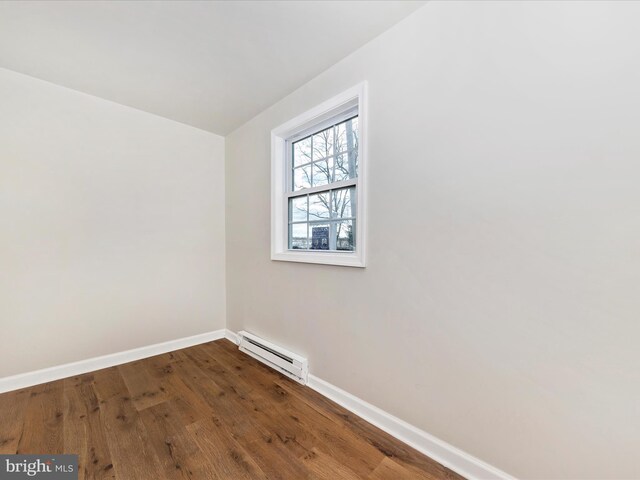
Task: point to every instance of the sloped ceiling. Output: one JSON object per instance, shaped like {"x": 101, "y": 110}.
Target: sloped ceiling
{"x": 213, "y": 65}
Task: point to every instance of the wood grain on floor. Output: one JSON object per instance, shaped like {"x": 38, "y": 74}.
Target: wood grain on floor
{"x": 205, "y": 412}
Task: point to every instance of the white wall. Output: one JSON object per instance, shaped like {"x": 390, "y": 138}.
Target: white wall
{"x": 500, "y": 306}
{"x": 111, "y": 227}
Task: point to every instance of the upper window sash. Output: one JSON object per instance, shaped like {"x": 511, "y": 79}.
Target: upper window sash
{"x": 309, "y": 133}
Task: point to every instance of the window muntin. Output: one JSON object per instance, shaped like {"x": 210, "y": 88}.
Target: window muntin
{"x": 324, "y": 218}
{"x": 322, "y": 201}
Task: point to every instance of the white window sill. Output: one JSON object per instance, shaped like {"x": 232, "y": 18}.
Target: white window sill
{"x": 344, "y": 259}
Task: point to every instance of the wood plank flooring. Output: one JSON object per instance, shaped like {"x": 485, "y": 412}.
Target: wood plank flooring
{"x": 205, "y": 412}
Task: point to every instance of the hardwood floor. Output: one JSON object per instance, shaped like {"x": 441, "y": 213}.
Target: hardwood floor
{"x": 205, "y": 412}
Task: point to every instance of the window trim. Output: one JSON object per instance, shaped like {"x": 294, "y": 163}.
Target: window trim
{"x": 299, "y": 127}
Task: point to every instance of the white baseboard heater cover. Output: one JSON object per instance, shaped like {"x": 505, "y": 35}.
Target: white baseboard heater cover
{"x": 286, "y": 362}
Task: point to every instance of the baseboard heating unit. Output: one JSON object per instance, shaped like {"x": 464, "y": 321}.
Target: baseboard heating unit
{"x": 286, "y": 362}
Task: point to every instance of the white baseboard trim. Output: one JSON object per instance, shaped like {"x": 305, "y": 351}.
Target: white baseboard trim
{"x": 460, "y": 462}
{"x": 231, "y": 336}
{"x": 448, "y": 455}
{"x": 37, "y": 377}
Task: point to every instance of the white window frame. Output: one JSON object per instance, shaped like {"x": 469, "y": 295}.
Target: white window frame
{"x": 298, "y": 127}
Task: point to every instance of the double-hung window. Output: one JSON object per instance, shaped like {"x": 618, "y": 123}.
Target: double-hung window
{"x": 318, "y": 201}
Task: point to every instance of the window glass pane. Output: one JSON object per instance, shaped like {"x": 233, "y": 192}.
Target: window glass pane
{"x": 298, "y": 236}
{"x": 323, "y": 144}
{"x": 298, "y": 209}
{"x": 347, "y": 136}
{"x": 346, "y": 166}
{"x": 352, "y": 162}
{"x": 355, "y": 132}
{"x": 319, "y": 206}
{"x": 301, "y": 177}
{"x": 302, "y": 152}
{"x": 323, "y": 172}
{"x": 319, "y": 236}
{"x": 343, "y": 203}
{"x": 345, "y": 235}
{"x": 342, "y": 168}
